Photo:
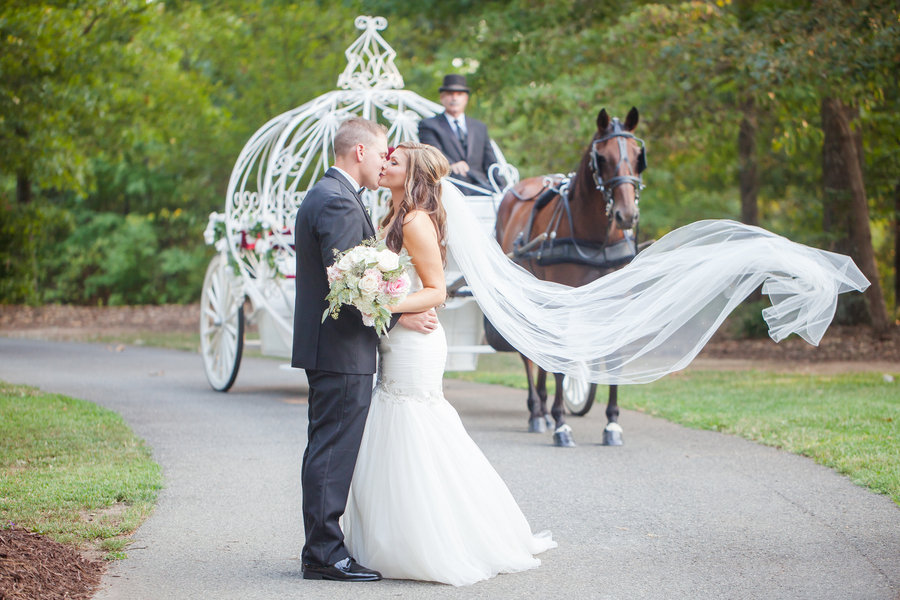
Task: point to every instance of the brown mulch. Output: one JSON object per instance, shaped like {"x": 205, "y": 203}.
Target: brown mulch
{"x": 34, "y": 566}
{"x": 841, "y": 343}
{"x": 172, "y": 317}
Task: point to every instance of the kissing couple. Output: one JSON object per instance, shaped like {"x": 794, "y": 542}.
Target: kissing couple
{"x": 390, "y": 477}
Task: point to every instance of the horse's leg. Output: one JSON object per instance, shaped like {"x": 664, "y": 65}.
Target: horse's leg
{"x": 562, "y": 435}
{"x": 542, "y": 394}
{"x": 612, "y": 435}
{"x": 535, "y": 420}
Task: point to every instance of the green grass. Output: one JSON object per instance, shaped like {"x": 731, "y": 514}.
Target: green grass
{"x": 72, "y": 470}
{"x": 174, "y": 340}
{"x": 849, "y": 422}
{"x": 189, "y": 341}
{"x": 502, "y": 368}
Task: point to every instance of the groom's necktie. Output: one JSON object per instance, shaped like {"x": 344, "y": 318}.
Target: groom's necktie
{"x": 459, "y": 134}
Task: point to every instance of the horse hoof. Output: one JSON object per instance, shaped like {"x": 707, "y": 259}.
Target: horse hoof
{"x": 612, "y": 435}
{"x": 562, "y": 437}
{"x": 537, "y": 425}
{"x": 548, "y": 421}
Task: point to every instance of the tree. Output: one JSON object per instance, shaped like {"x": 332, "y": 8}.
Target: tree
{"x": 846, "y": 206}
{"x": 59, "y": 65}
{"x": 844, "y": 54}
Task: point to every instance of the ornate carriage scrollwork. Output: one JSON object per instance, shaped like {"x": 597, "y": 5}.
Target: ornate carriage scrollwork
{"x": 279, "y": 163}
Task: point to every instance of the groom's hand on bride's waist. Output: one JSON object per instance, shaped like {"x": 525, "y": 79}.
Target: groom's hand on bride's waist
{"x": 423, "y": 322}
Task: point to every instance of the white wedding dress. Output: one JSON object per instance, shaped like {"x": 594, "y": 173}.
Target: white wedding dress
{"x": 425, "y": 503}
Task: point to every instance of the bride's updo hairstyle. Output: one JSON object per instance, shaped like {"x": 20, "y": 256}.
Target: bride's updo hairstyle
{"x": 426, "y": 165}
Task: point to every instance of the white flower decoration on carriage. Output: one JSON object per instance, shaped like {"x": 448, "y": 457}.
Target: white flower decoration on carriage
{"x": 209, "y": 234}
{"x": 263, "y": 245}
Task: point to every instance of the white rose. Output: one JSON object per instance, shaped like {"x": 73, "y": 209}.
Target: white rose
{"x": 360, "y": 254}
{"x": 370, "y": 282}
{"x": 388, "y": 260}
{"x": 346, "y": 262}
{"x": 370, "y": 254}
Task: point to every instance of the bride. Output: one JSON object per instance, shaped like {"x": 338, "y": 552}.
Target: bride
{"x": 425, "y": 503}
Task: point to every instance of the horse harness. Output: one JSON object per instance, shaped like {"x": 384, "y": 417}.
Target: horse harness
{"x": 548, "y": 249}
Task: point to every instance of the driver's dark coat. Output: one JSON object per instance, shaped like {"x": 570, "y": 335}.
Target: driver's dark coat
{"x": 437, "y": 132}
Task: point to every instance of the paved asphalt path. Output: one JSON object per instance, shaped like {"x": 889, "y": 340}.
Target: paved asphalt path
{"x": 675, "y": 513}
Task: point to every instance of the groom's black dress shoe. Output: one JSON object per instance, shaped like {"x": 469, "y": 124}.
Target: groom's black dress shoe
{"x": 343, "y": 570}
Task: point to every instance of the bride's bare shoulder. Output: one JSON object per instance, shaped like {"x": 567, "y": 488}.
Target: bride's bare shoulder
{"x": 418, "y": 222}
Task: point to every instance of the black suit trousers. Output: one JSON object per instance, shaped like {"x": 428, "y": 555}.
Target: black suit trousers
{"x": 338, "y": 406}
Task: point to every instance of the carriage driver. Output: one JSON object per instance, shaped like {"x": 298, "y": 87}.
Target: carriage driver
{"x": 463, "y": 140}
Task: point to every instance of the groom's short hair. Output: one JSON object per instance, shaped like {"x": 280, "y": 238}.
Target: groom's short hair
{"x": 356, "y": 130}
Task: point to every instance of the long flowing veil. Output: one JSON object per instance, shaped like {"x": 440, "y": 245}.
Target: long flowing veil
{"x": 655, "y": 315}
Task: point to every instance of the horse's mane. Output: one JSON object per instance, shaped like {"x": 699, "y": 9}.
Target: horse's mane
{"x": 584, "y": 180}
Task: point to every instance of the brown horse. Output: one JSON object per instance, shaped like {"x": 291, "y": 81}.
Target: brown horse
{"x": 572, "y": 230}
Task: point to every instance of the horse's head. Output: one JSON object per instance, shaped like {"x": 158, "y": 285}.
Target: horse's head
{"x": 617, "y": 159}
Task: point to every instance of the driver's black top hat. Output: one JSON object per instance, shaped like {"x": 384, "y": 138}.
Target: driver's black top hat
{"x": 454, "y": 83}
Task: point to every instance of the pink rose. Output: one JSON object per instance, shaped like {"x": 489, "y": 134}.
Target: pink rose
{"x": 333, "y": 274}
{"x": 397, "y": 287}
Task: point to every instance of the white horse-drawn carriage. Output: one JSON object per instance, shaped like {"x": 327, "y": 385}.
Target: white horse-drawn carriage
{"x": 251, "y": 279}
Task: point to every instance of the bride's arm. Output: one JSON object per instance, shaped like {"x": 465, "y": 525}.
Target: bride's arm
{"x": 421, "y": 242}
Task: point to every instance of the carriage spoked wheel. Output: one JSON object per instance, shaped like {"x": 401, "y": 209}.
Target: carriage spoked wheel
{"x": 578, "y": 395}
{"x": 221, "y": 324}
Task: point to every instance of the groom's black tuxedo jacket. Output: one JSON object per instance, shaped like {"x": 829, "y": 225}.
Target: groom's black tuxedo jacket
{"x": 331, "y": 215}
{"x": 479, "y": 154}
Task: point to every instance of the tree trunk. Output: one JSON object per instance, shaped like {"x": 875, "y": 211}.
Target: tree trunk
{"x": 896, "y": 228}
{"x": 23, "y": 188}
{"x": 747, "y": 174}
{"x": 846, "y": 207}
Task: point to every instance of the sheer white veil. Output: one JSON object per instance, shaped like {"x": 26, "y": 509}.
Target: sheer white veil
{"x": 655, "y": 315}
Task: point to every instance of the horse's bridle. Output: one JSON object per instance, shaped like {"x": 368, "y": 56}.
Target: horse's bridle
{"x": 608, "y": 186}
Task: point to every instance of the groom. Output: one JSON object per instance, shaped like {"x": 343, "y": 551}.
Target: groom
{"x": 337, "y": 354}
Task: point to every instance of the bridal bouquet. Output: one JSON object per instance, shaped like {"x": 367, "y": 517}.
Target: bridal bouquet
{"x": 369, "y": 277}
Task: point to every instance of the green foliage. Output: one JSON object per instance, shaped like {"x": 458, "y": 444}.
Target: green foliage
{"x": 61, "y": 66}
{"x": 62, "y": 458}
{"x": 133, "y": 259}
{"x": 747, "y": 321}
{"x": 26, "y": 235}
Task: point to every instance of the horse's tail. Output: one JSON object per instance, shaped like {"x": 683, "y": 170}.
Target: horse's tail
{"x": 495, "y": 340}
